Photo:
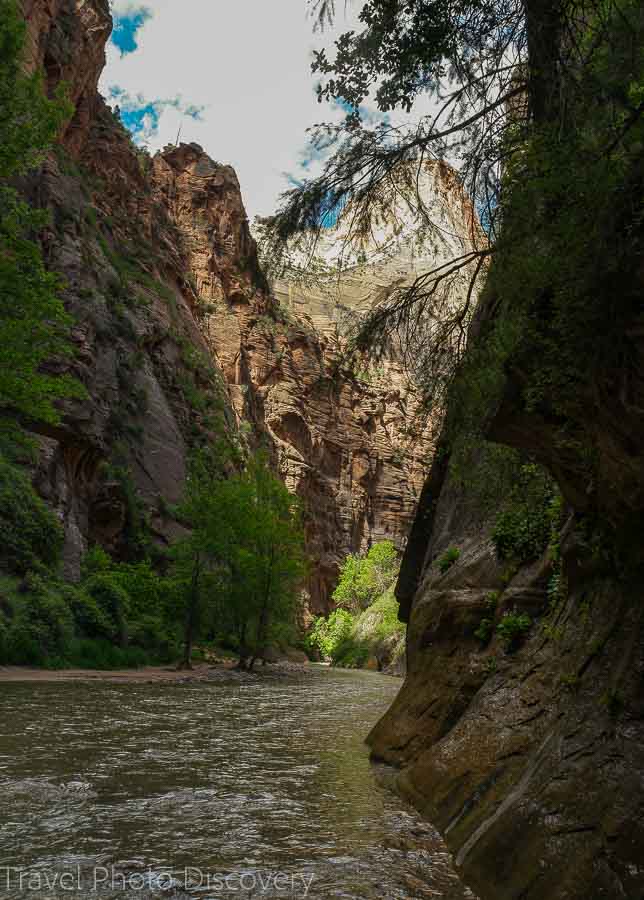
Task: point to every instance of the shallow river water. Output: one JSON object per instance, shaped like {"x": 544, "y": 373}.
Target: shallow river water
{"x": 259, "y": 788}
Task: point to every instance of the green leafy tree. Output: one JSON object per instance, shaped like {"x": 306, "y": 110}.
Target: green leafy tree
{"x": 243, "y": 560}
{"x": 362, "y": 579}
{"x": 34, "y": 327}
{"x": 330, "y": 633}
{"x": 349, "y": 591}
{"x": 276, "y": 551}
{"x": 195, "y": 562}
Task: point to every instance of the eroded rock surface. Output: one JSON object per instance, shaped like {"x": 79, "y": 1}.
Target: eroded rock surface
{"x": 529, "y": 759}
{"x": 178, "y": 336}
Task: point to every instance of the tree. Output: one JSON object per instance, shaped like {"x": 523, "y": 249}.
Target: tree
{"x": 195, "y": 569}
{"x": 363, "y": 579}
{"x": 243, "y": 559}
{"x": 503, "y": 79}
{"x": 34, "y": 327}
{"x": 270, "y": 561}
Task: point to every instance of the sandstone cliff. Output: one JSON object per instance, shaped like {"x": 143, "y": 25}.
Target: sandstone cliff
{"x": 179, "y": 336}
{"x": 529, "y": 757}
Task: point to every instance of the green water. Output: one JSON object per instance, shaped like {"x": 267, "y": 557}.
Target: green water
{"x": 255, "y": 789}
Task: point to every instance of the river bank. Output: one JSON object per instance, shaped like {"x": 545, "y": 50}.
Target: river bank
{"x": 226, "y": 671}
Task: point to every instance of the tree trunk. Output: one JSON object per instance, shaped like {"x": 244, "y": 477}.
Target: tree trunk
{"x": 262, "y": 627}
{"x": 262, "y": 624}
{"x": 544, "y": 32}
{"x": 191, "y": 614}
{"x": 243, "y": 649}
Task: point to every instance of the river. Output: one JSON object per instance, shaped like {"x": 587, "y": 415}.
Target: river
{"x": 259, "y": 788}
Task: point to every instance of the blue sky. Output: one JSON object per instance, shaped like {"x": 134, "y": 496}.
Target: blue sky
{"x": 234, "y": 77}
{"x": 126, "y": 25}
{"x": 143, "y": 117}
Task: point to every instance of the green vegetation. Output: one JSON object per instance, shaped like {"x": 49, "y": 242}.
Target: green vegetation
{"x": 234, "y": 576}
{"x": 327, "y": 635}
{"x": 362, "y": 579}
{"x": 31, "y": 534}
{"x": 115, "y": 617}
{"x": 548, "y": 127}
{"x": 448, "y": 559}
{"x": 523, "y": 529}
{"x": 491, "y": 665}
{"x": 486, "y": 626}
{"x": 243, "y": 559}
{"x": 36, "y": 620}
{"x": 485, "y": 630}
{"x": 364, "y": 629}
{"x": 512, "y": 628}
{"x": 233, "y": 579}
{"x": 34, "y": 327}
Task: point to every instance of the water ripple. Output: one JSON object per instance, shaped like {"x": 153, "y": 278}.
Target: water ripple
{"x": 208, "y": 790}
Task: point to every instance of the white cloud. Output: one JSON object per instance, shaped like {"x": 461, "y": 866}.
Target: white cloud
{"x": 248, "y": 64}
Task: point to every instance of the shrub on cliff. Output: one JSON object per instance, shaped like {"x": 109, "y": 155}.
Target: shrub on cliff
{"x": 523, "y": 529}
{"x": 513, "y": 627}
{"x": 30, "y": 534}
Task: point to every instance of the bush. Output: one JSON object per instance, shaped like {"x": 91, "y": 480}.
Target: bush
{"x": 485, "y": 630}
{"x": 350, "y": 654}
{"x": 523, "y": 530}
{"x": 152, "y": 635}
{"x": 328, "y": 634}
{"x": 384, "y": 614}
{"x": 513, "y": 627}
{"x": 350, "y": 641}
{"x": 113, "y": 601}
{"x": 362, "y": 579}
{"x": 115, "y": 618}
{"x": 30, "y": 534}
{"x": 95, "y": 560}
{"x": 101, "y": 654}
{"x": 447, "y": 560}
{"x": 486, "y": 625}
{"x": 42, "y": 624}
{"x": 144, "y": 586}
{"x": 90, "y": 617}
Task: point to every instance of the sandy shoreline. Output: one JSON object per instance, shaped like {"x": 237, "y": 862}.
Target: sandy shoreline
{"x": 148, "y": 674}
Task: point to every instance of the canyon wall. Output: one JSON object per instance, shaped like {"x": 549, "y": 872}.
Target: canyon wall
{"x": 179, "y": 338}
{"x": 528, "y": 759}
{"x": 528, "y": 754}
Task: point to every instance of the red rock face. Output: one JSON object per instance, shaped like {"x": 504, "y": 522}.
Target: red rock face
{"x": 160, "y": 264}
{"x": 347, "y": 448}
{"x": 66, "y": 40}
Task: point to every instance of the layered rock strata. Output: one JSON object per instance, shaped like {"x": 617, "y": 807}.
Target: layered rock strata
{"x": 178, "y": 336}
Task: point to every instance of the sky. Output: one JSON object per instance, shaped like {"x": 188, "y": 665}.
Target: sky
{"x": 232, "y": 76}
